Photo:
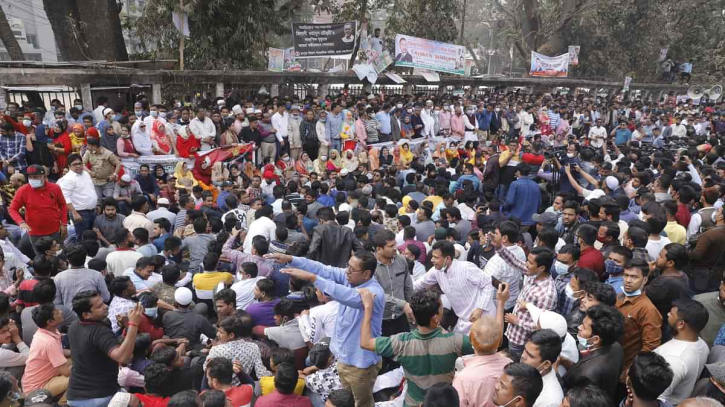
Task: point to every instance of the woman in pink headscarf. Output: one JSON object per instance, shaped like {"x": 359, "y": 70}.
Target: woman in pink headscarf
{"x": 162, "y": 144}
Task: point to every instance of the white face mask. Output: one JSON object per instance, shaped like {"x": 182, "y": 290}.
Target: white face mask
{"x": 27, "y": 123}
{"x": 36, "y": 183}
{"x": 399, "y": 106}
{"x": 154, "y": 113}
{"x": 138, "y": 112}
{"x": 79, "y": 107}
{"x": 561, "y": 268}
{"x": 323, "y": 158}
{"x": 570, "y": 155}
{"x": 162, "y": 114}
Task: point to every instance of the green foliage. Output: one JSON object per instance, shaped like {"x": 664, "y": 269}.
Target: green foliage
{"x": 225, "y": 34}
{"x": 430, "y": 19}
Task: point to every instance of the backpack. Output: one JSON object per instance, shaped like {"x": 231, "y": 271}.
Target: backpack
{"x": 705, "y": 225}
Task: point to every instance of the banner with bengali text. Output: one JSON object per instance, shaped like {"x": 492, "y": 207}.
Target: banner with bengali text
{"x": 323, "y": 40}
{"x": 427, "y": 54}
{"x": 545, "y": 66}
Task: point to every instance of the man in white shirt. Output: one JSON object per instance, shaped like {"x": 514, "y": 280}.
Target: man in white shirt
{"x": 280, "y": 122}
{"x": 80, "y": 195}
{"x": 137, "y": 218}
{"x": 541, "y": 352}
{"x": 501, "y": 266}
{"x": 246, "y": 282}
{"x": 376, "y": 44}
{"x": 319, "y": 322}
{"x": 686, "y": 352}
{"x": 98, "y": 111}
{"x": 467, "y": 288}
{"x": 428, "y": 120}
{"x": 203, "y": 127}
{"x": 678, "y": 129}
{"x": 597, "y": 135}
{"x": 263, "y": 225}
{"x": 162, "y": 211}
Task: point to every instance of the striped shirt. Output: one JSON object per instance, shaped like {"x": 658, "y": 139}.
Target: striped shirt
{"x": 467, "y": 288}
{"x": 426, "y": 359}
{"x": 508, "y": 266}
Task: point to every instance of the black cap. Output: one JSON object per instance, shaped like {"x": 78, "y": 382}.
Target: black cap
{"x": 40, "y": 397}
{"x": 35, "y": 169}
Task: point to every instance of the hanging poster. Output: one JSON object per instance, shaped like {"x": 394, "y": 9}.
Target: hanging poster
{"x": 627, "y": 81}
{"x": 574, "y": 55}
{"x": 290, "y": 64}
{"x": 426, "y": 54}
{"x": 323, "y": 40}
{"x": 545, "y": 66}
{"x": 276, "y": 60}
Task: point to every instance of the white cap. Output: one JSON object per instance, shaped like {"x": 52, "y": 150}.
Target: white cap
{"x": 163, "y": 201}
{"x": 220, "y": 102}
{"x": 344, "y": 172}
{"x": 371, "y": 96}
{"x": 237, "y": 109}
{"x": 183, "y": 296}
{"x": 612, "y": 182}
{"x": 547, "y": 319}
{"x": 250, "y": 110}
{"x": 126, "y": 178}
{"x": 107, "y": 111}
{"x": 257, "y": 111}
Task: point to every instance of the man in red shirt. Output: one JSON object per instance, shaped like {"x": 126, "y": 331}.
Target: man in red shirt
{"x": 684, "y": 197}
{"x": 45, "y": 208}
{"x": 590, "y": 257}
{"x": 156, "y": 379}
{"x": 219, "y": 374}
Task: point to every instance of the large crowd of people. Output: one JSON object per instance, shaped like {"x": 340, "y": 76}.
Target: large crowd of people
{"x": 499, "y": 249}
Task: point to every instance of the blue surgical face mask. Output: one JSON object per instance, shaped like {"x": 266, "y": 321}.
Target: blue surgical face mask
{"x": 154, "y": 113}
{"x": 151, "y": 312}
{"x": 612, "y": 267}
{"x": 583, "y": 342}
{"x": 632, "y": 294}
{"x": 162, "y": 114}
{"x": 561, "y": 268}
{"x": 138, "y": 112}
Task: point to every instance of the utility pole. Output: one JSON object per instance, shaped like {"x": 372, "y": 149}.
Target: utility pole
{"x": 490, "y": 50}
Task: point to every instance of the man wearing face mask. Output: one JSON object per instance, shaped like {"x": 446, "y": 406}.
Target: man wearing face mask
{"x": 46, "y": 213}
{"x": 601, "y": 355}
{"x": 541, "y": 352}
{"x": 642, "y": 321}
{"x": 13, "y": 147}
{"x": 564, "y": 266}
{"x": 538, "y": 289}
{"x": 520, "y": 386}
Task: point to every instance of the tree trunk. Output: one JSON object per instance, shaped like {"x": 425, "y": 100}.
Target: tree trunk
{"x": 64, "y": 20}
{"x": 8, "y": 39}
{"x": 103, "y": 29}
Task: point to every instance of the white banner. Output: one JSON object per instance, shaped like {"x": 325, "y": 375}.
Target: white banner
{"x": 426, "y": 54}
{"x": 132, "y": 165}
{"x": 544, "y": 66}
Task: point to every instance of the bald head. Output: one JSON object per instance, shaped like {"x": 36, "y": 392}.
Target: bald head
{"x": 700, "y": 402}
{"x": 486, "y": 335}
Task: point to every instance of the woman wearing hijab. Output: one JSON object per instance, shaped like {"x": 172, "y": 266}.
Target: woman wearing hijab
{"x": 219, "y": 173}
{"x": 124, "y": 145}
{"x": 140, "y": 138}
{"x": 406, "y": 156}
{"x": 202, "y": 171}
{"x": 187, "y": 143}
{"x": 162, "y": 144}
{"x": 285, "y": 165}
{"x": 40, "y": 153}
{"x": 236, "y": 176}
{"x": 160, "y": 174}
{"x": 60, "y": 145}
{"x": 406, "y": 128}
{"x": 77, "y": 137}
{"x": 320, "y": 164}
{"x": 362, "y": 135}
{"x": 334, "y": 162}
{"x": 348, "y": 130}
{"x": 304, "y": 165}
{"x": 184, "y": 178}
{"x": 349, "y": 161}
{"x": 386, "y": 158}
{"x": 374, "y": 158}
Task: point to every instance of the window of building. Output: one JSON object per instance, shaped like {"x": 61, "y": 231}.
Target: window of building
{"x": 33, "y": 40}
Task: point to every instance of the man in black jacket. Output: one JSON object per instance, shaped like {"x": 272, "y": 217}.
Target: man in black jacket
{"x": 331, "y": 243}
{"x": 601, "y": 358}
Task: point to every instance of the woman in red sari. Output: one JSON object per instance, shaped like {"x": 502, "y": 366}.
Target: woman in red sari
{"x": 60, "y": 145}
{"x": 161, "y": 141}
{"x": 187, "y": 143}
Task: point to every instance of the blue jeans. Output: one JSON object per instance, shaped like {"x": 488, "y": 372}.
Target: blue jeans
{"x": 336, "y": 144}
{"x": 99, "y": 402}
{"x": 86, "y": 223}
